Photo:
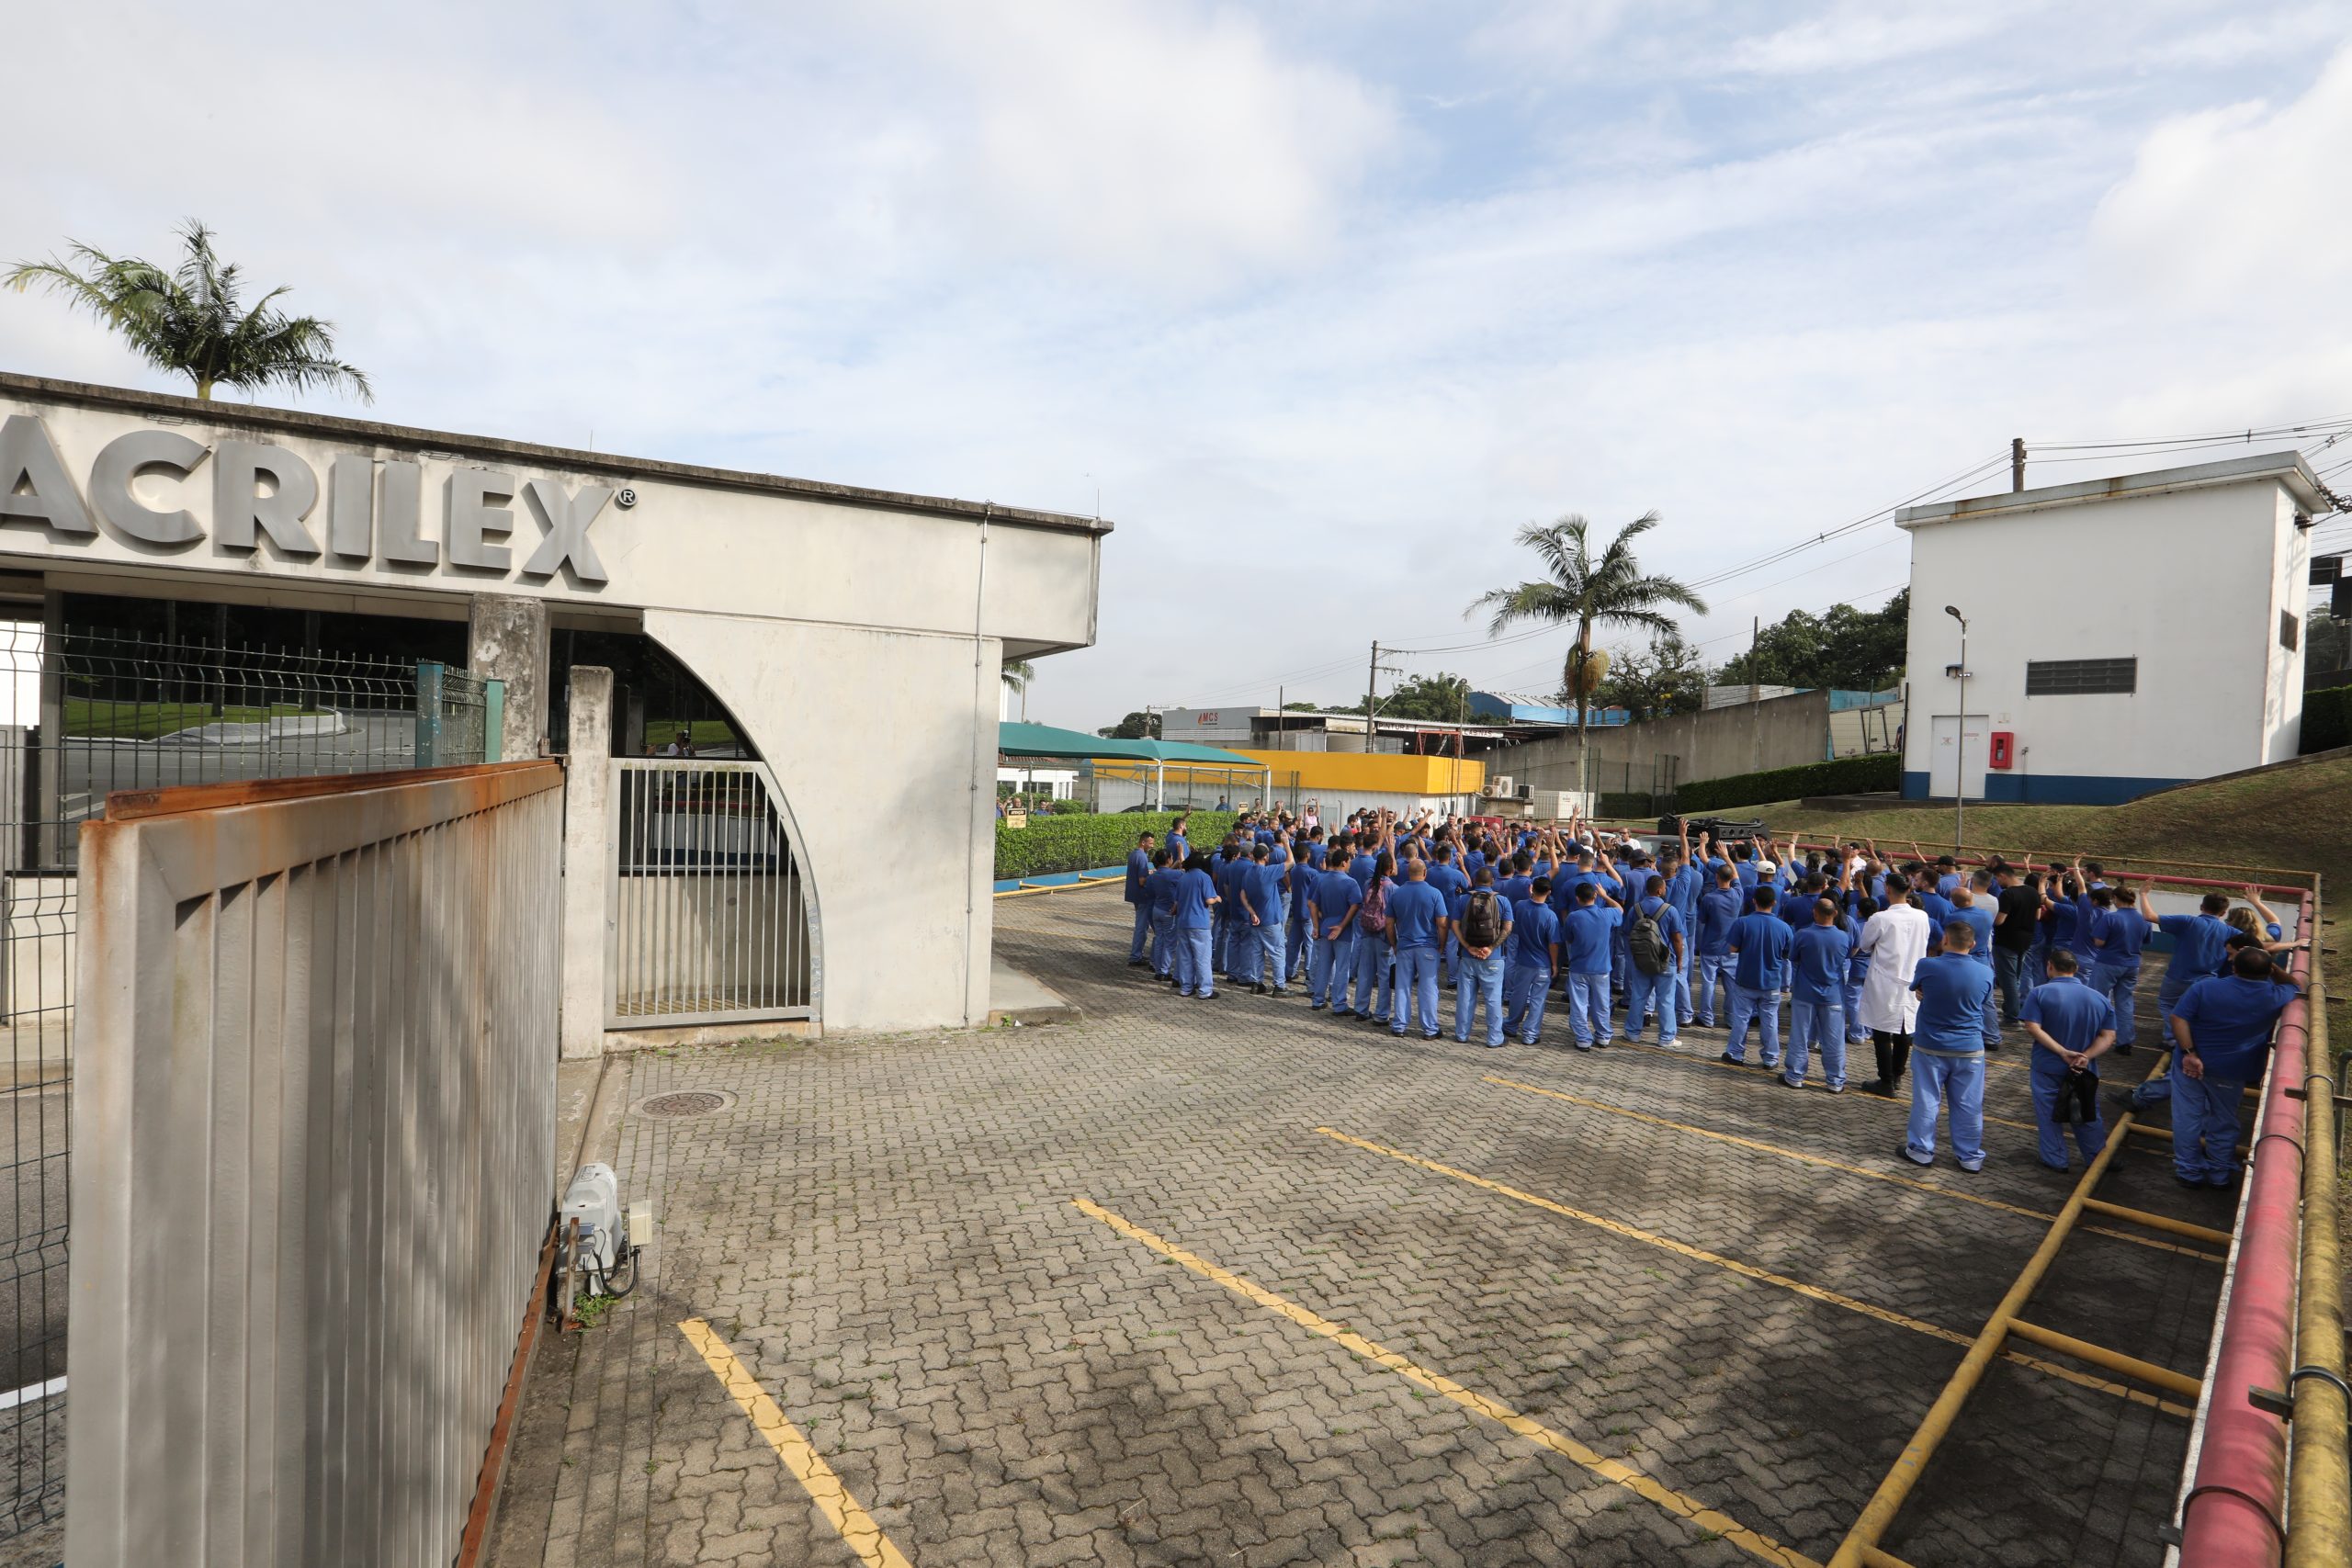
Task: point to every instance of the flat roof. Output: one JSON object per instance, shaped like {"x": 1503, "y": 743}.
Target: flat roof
{"x": 2287, "y": 468}
{"x": 336, "y": 427}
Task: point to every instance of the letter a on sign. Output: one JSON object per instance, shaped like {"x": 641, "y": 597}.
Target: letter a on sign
{"x": 566, "y": 519}
{"x": 34, "y": 485}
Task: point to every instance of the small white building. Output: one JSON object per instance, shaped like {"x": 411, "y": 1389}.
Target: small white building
{"x": 2123, "y": 634}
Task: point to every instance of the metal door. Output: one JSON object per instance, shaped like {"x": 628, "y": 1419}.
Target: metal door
{"x": 708, "y": 911}
{"x": 1945, "y": 761}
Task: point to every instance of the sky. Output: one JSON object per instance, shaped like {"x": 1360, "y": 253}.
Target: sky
{"x": 1320, "y": 302}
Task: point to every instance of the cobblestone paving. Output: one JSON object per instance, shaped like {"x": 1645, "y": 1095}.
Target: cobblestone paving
{"x": 883, "y": 1230}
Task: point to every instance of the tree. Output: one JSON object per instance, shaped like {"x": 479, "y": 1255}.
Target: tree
{"x": 191, "y": 320}
{"x": 1586, "y": 591}
{"x": 1665, "y": 679}
{"x": 1843, "y": 648}
{"x": 1439, "y": 696}
{"x": 1135, "y": 727}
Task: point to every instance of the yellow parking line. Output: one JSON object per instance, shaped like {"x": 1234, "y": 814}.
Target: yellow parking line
{"x": 1763, "y": 1147}
{"x": 800, "y": 1457}
{"x": 1700, "y": 1255}
{"x": 1654, "y": 1490}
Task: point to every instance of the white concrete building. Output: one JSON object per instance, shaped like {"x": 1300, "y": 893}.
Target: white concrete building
{"x": 2123, "y": 634}
{"x": 854, "y": 638}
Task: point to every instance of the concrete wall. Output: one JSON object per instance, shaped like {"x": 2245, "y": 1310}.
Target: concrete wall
{"x": 1779, "y": 732}
{"x": 2185, "y": 570}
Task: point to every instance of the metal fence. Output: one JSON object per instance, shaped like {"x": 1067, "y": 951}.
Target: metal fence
{"x": 316, "y": 1043}
{"x": 708, "y": 919}
{"x": 82, "y": 713}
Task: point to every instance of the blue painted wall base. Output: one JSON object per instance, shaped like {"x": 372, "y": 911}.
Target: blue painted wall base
{"x": 2051, "y": 789}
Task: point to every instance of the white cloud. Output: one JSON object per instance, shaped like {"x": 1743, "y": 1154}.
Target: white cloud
{"x": 2229, "y": 206}
{"x": 1857, "y": 33}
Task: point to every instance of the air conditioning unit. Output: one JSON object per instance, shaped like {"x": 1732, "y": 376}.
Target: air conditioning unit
{"x": 1499, "y": 786}
{"x": 1525, "y": 792}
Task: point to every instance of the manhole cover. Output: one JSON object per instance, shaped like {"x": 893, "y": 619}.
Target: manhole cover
{"x": 687, "y": 1102}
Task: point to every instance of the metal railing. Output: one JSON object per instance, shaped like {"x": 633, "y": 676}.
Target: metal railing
{"x": 316, "y": 1043}
{"x": 709, "y": 916}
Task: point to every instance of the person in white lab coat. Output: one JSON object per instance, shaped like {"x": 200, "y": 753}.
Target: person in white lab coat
{"x": 1896, "y": 939}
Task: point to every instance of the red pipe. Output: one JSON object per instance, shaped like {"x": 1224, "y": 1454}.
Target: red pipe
{"x": 2233, "y": 1513}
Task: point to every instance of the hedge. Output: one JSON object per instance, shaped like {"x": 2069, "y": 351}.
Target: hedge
{"x": 1087, "y": 843}
{"x": 2327, "y": 719}
{"x": 1880, "y": 771}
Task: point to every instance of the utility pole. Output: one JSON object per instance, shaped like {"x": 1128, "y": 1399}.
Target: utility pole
{"x": 1372, "y": 694}
{"x": 2016, "y": 462}
{"x": 1755, "y": 694}
{"x": 1960, "y": 738}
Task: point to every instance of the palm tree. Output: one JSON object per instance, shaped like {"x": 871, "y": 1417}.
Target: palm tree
{"x": 191, "y": 320}
{"x": 1588, "y": 593}
{"x": 1018, "y": 673}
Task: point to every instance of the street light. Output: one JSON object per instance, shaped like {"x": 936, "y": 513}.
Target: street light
{"x": 1960, "y": 740}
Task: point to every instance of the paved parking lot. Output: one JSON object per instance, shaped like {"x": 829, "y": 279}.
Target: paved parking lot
{"x": 1229, "y": 1283}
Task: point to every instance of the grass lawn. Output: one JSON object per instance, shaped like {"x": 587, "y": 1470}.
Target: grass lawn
{"x": 706, "y": 732}
{"x": 144, "y": 721}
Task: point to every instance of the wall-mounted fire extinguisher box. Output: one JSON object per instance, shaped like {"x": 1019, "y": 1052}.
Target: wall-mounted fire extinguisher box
{"x": 2005, "y": 749}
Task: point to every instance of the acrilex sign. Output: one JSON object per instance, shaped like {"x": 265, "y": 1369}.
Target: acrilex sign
{"x": 375, "y": 508}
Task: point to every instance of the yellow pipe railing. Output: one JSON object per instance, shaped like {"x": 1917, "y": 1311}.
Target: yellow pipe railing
{"x": 2319, "y": 1489}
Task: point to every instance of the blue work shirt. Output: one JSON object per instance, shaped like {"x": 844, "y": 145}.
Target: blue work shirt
{"x": 1163, "y": 885}
{"x": 1231, "y": 875}
{"x": 2077, "y": 931}
{"x": 1138, "y": 872}
{"x": 1952, "y": 991}
{"x": 1818, "y": 955}
{"x": 1718, "y": 911}
{"x": 1414, "y": 910}
{"x": 1585, "y": 933}
{"x": 2070, "y": 1012}
{"x": 1513, "y": 889}
{"x": 1263, "y": 887}
{"x": 1947, "y": 881}
{"x": 1978, "y": 918}
{"x": 1859, "y": 966}
{"x": 1534, "y": 928}
{"x": 1363, "y": 868}
{"x": 1682, "y": 890}
{"x": 2230, "y": 1019}
{"x": 1447, "y": 878}
{"x": 1762, "y": 938}
{"x": 1194, "y": 892}
{"x": 2200, "y": 943}
{"x": 1314, "y": 855}
{"x": 1938, "y": 909}
{"x": 1338, "y": 895}
{"x": 1179, "y": 847}
{"x": 1747, "y": 873}
{"x": 2117, "y": 935}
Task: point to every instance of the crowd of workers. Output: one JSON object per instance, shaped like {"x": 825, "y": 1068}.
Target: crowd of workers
{"x": 1926, "y": 961}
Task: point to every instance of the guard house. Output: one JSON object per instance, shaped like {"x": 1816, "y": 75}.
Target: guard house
{"x": 2123, "y": 635}
{"x": 818, "y": 662}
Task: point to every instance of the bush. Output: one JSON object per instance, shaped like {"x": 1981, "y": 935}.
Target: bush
{"x": 1050, "y": 844}
{"x": 1847, "y": 776}
{"x": 2327, "y": 719}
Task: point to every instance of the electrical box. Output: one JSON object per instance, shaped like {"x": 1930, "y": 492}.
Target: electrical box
{"x": 2004, "y": 749}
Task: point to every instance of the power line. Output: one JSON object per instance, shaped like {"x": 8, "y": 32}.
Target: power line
{"x": 1882, "y": 514}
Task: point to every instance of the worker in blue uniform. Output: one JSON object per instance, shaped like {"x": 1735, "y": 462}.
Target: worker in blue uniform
{"x": 2220, "y": 1034}
{"x": 1948, "y": 1050}
{"x": 2072, "y": 1026}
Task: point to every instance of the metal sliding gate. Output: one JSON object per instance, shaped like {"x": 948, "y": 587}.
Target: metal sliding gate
{"x": 709, "y": 917}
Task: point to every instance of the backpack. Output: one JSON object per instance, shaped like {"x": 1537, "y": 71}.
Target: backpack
{"x": 1482, "y": 924}
{"x": 1374, "y": 916}
{"x": 1649, "y": 949}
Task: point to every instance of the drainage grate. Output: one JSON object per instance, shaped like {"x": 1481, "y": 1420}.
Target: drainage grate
{"x": 687, "y": 1102}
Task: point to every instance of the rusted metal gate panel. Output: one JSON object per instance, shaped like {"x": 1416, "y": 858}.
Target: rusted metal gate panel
{"x": 709, "y": 917}
{"x": 316, "y": 1038}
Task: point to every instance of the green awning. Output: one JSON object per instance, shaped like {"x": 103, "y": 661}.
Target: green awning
{"x": 1045, "y": 740}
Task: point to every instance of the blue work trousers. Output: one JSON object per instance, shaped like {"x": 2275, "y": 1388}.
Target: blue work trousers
{"x": 2050, "y": 1076}
{"x": 1764, "y": 1008}
{"x": 1373, "y": 976}
{"x": 1818, "y": 1026}
{"x": 2117, "y": 983}
{"x": 2205, "y": 1123}
{"x": 1524, "y": 994}
{"x": 1143, "y": 930}
{"x": 1163, "y": 943}
{"x": 1266, "y": 968}
{"x": 1195, "y": 974}
{"x": 1416, "y": 988}
{"x": 1476, "y": 981}
{"x": 1711, "y": 967}
{"x": 1646, "y": 993}
{"x": 1939, "y": 1078}
{"x": 1335, "y": 965}
{"x": 1588, "y": 1009}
